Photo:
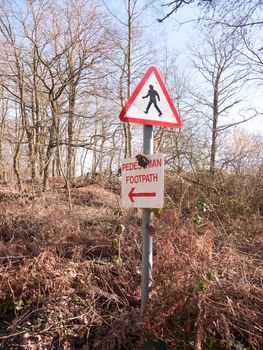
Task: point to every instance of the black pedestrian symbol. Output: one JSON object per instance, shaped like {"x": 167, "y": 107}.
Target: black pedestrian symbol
{"x": 152, "y": 94}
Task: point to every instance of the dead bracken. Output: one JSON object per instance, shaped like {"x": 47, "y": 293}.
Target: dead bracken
{"x": 70, "y": 279}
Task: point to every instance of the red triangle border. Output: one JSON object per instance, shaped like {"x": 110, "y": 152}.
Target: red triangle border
{"x": 135, "y": 93}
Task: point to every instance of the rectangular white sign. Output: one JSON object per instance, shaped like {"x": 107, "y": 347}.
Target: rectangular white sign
{"x": 142, "y": 187}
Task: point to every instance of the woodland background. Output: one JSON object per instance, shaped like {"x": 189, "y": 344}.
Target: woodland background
{"x": 67, "y": 69}
{"x": 70, "y": 256}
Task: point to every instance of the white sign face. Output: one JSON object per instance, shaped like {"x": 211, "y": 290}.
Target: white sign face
{"x": 151, "y": 103}
{"x": 142, "y": 187}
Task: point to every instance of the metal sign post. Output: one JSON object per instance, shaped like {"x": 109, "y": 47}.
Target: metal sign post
{"x": 147, "y": 243}
{"x": 150, "y": 104}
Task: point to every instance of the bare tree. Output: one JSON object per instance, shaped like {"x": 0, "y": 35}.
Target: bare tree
{"x": 216, "y": 63}
{"x": 54, "y": 75}
{"x": 3, "y": 119}
{"x": 233, "y": 13}
{"x": 134, "y": 56}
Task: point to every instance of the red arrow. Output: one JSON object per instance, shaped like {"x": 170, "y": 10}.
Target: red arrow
{"x": 140, "y": 194}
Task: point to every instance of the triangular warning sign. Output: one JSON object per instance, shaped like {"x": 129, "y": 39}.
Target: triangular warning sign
{"x": 151, "y": 104}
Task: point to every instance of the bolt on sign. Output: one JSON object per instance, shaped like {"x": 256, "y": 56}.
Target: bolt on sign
{"x": 143, "y": 187}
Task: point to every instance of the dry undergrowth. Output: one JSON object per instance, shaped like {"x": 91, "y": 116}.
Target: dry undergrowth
{"x": 207, "y": 294}
{"x": 60, "y": 287}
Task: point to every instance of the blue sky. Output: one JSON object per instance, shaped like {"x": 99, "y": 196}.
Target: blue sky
{"x": 180, "y": 32}
{"x": 176, "y": 36}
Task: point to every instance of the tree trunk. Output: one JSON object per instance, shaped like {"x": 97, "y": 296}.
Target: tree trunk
{"x": 2, "y": 127}
{"x": 128, "y": 126}
{"x": 71, "y": 125}
{"x": 20, "y": 137}
{"x": 51, "y": 145}
{"x": 214, "y": 132}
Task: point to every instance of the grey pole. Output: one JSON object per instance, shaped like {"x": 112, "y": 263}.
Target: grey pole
{"x": 147, "y": 242}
